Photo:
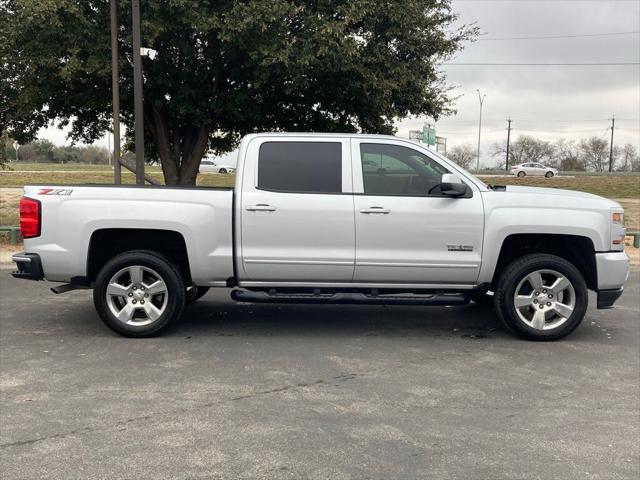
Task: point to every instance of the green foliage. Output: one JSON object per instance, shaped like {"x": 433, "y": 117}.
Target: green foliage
{"x": 226, "y": 68}
{"x": 43, "y": 151}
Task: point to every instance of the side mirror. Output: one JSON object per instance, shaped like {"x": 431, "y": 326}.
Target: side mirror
{"x": 452, "y": 186}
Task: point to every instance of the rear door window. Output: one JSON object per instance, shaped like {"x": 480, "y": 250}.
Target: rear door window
{"x": 300, "y": 167}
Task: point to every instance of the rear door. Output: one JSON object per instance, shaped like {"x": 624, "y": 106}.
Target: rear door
{"x": 297, "y": 220}
{"x": 406, "y": 230}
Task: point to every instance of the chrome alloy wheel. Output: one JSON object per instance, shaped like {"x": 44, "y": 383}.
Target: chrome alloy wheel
{"x": 544, "y": 299}
{"x": 137, "y": 295}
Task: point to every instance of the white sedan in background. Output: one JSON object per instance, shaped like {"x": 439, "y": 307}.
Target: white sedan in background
{"x": 532, "y": 168}
{"x": 207, "y": 166}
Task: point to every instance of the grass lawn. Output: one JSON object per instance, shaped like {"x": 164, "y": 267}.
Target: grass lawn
{"x": 17, "y": 179}
{"x": 68, "y": 167}
{"x": 614, "y": 186}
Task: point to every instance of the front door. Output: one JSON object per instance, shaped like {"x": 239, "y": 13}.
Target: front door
{"x": 406, "y": 230}
{"x": 297, "y": 210}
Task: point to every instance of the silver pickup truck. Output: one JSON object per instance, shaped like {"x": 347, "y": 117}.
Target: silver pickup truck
{"x": 322, "y": 218}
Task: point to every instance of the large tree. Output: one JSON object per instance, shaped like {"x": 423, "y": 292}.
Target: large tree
{"x": 226, "y": 68}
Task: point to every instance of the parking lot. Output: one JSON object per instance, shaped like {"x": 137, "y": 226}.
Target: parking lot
{"x": 266, "y": 391}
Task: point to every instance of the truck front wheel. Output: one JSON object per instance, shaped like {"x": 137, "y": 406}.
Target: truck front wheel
{"x": 541, "y": 297}
{"x": 139, "y": 293}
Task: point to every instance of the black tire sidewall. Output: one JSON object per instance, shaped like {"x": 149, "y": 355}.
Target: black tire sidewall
{"x": 521, "y": 174}
{"x": 512, "y": 276}
{"x": 223, "y": 170}
{"x": 548, "y": 174}
{"x": 156, "y": 262}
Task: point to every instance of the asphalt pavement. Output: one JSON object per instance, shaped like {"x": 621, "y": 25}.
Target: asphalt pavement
{"x": 321, "y": 392}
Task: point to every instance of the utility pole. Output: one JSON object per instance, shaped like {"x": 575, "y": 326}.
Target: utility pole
{"x": 115, "y": 93}
{"x": 481, "y": 98}
{"x": 508, "y": 140}
{"x": 137, "y": 92}
{"x": 613, "y": 126}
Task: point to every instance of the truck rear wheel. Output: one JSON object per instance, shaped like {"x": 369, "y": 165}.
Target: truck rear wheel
{"x": 541, "y": 297}
{"x": 139, "y": 293}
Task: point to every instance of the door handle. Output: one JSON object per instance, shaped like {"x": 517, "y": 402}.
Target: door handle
{"x": 375, "y": 211}
{"x": 261, "y": 207}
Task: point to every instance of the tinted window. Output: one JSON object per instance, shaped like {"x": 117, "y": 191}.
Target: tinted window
{"x": 300, "y": 167}
{"x": 395, "y": 170}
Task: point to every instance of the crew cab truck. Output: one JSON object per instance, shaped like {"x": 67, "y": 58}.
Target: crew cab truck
{"x": 326, "y": 218}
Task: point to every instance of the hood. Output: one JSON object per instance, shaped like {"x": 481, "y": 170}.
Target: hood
{"x": 558, "y": 192}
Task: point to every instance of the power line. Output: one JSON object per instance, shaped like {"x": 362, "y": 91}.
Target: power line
{"x": 546, "y": 37}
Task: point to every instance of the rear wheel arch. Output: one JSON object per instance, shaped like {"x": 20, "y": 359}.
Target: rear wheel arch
{"x": 107, "y": 243}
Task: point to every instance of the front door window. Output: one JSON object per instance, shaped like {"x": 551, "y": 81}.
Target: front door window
{"x": 397, "y": 170}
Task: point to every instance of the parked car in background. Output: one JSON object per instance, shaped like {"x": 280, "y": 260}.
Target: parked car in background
{"x": 532, "y": 168}
{"x": 208, "y": 166}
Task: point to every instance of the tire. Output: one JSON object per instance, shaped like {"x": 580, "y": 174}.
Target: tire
{"x": 196, "y": 294}
{"x": 146, "y": 307}
{"x": 548, "y": 174}
{"x": 482, "y": 299}
{"x": 530, "y": 282}
{"x": 521, "y": 174}
{"x": 223, "y": 170}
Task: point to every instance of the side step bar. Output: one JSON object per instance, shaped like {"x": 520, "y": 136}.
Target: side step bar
{"x": 350, "y": 298}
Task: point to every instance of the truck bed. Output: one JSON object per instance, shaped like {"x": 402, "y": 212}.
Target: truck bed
{"x": 72, "y": 214}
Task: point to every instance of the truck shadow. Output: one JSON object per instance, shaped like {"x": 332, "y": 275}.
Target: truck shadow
{"x": 216, "y": 315}
{"x": 211, "y": 317}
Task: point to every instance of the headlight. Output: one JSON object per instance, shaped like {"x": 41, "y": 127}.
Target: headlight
{"x": 618, "y": 231}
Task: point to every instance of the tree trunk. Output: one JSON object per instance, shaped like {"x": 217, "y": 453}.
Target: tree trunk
{"x": 180, "y": 152}
{"x": 192, "y": 153}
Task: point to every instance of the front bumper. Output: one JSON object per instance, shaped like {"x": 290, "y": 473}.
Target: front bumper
{"x": 29, "y": 266}
{"x": 613, "y": 271}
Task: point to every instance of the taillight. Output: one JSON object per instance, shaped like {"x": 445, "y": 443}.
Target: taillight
{"x": 29, "y": 217}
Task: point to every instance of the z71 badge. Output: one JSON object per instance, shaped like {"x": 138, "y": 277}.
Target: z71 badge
{"x": 55, "y": 191}
{"x": 460, "y": 248}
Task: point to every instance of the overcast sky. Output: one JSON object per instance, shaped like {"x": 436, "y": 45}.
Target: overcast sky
{"x": 550, "y": 102}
